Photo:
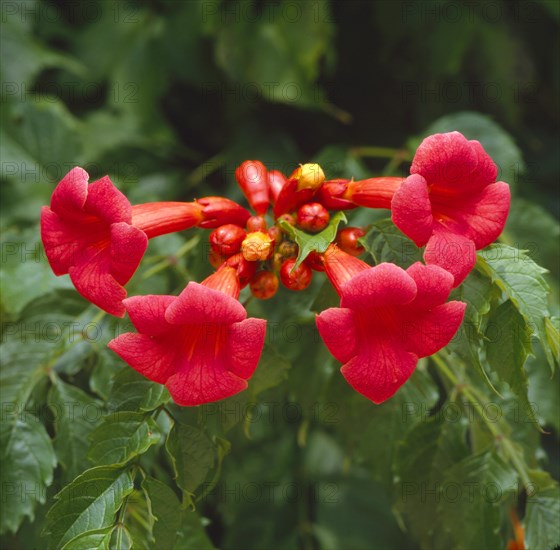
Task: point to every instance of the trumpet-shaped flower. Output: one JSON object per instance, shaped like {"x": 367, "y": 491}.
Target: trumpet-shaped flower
{"x": 200, "y": 344}
{"x": 388, "y": 318}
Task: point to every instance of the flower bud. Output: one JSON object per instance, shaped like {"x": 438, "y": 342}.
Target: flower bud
{"x": 276, "y": 180}
{"x": 226, "y": 240}
{"x": 220, "y": 211}
{"x": 256, "y": 223}
{"x": 331, "y": 195}
{"x": 313, "y": 217}
{"x": 252, "y": 177}
{"x": 275, "y": 234}
{"x": 257, "y": 246}
{"x": 299, "y": 278}
{"x": 264, "y": 285}
{"x": 288, "y": 249}
{"x": 315, "y": 261}
{"x": 347, "y": 240}
{"x": 308, "y": 176}
{"x": 216, "y": 259}
{"x": 245, "y": 270}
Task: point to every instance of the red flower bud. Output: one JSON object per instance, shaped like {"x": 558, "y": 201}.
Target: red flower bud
{"x": 331, "y": 195}
{"x": 299, "y": 189}
{"x": 276, "y": 180}
{"x": 226, "y": 240}
{"x": 252, "y": 177}
{"x": 220, "y": 211}
{"x": 315, "y": 261}
{"x": 264, "y": 285}
{"x": 347, "y": 240}
{"x": 299, "y": 278}
{"x": 275, "y": 233}
{"x": 245, "y": 270}
{"x": 288, "y": 218}
{"x": 313, "y": 217}
{"x": 256, "y": 223}
{"x": 216, "y": 259}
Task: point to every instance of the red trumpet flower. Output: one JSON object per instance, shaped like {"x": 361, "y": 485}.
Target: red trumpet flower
{"x": 387, "y": 319}
{"x": 200, "y": 344}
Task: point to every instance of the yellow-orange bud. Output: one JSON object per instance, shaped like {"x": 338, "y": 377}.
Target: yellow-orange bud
{"x": 308, "y": 176}
{"x": 257, "y": 246}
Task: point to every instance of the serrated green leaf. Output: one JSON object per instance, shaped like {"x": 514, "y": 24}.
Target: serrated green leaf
{"x": 192, "y": 455}
{"x": 541, "y": 525}
{"x": 92, "y": 540}
{"x": 132, "y": 392}
{"x": 479, "y": 294}
{"x": 121, "y": 436}
{"x": 469, "y": 515}
{"x": 319, "y": 242}
{"x": 386, "y": 243}
{"x": 75, "y": 415}
{"x": 522, "y": 281}
{"x": 166, "y": 510}
{"x": 427, "y": 451}
{"x": 28, "y": 462}
{"x": 508, "y": 342}
{"x": 87, "y": 505}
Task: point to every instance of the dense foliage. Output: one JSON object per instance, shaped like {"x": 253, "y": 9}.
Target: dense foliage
{"x": 168, "y": 98}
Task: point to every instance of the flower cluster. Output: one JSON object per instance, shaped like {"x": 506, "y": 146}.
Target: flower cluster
{"x": 201, "y": 345}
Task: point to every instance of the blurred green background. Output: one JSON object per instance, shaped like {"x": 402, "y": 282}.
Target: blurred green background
{"x": 168, "y": 97}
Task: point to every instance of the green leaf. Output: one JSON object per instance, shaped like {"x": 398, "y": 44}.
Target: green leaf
{"x": 280, "y": 57}
{"x": 192, "y": 456}
{"x": 75, "y": 415}
{"x": 166, "y": 510}
{"x": 122, "y": 436}
{"x": 427, "y": 451}
{"x": 479, "y": 294}
{"x": 92, "y": 540}
{"x": 318, "y": 242}
{"x": 508, "y": 342}
{"x": 522, "y": 281}
{"x": 28, "y": 462}
{"x": 137, "y": 524}
{"x": 386, "y": 243}
{"x": 26, "y": 273}
{"x": 191, "y": 534}
{"x": 469, "y": 515}
{"x": 541, "y": 525}
{"x": 87, "y": 505}
{"x": 132, "y": 392}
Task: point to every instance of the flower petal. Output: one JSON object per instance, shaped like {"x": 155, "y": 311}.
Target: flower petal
{"x": 106, "y": 202}
{"x": 453, "y": 252}
{"x": 93, "y": 281}
{"x": 411, "y": 210}
{"x": 433, "y": 283}
{"x": 337, "y": 328}
{"x": 71, "y": 193}
{"x": 147, "y": 313}
{"x": 382, "y": 285}
{"x": 204, "y": 380}
{"x": 486, "y": 170}
{"x": 485, "y": 214}
{"x": 59, "y": 247}
{"x": 447, "y": 162}
{"x": 152, "y": 358}
{"x": 245, "y": 345}
{"x": 200, "y": 304}
{"x": 128, "y": 245}
{"x": 379, "y": 370}
{"x": 426, "y": 333}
